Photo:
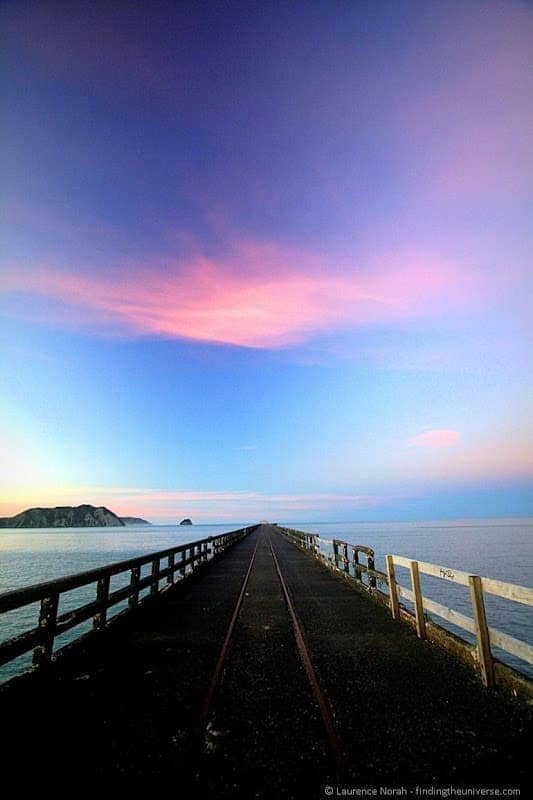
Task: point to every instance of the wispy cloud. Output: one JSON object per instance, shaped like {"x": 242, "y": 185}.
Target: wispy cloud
{"x": 201, "y": 505}
{"x": 259, "y": 295}
{"x": 435, "y": 438}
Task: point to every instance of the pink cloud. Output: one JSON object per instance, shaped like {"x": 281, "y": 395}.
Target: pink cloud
{"x": 435, "y": 438}
{"x": 259, "y": 295}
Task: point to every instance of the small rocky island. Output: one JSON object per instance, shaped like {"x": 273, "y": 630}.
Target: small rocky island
{"x": 84, "y": 516}
{"x": 186, "y": 521}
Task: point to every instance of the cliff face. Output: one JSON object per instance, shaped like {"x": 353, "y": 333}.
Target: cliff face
{"x": 84, "y": 516}
{"x": 135, "y": 521}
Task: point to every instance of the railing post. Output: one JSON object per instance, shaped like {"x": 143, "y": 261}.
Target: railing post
{"x": 183, "y": 569}
{"x": 393, "y": 592}
{"x": 345, "y": 558}
{"x": 419, "y": 601}
{"x": 371, "y": 564}
{"x": 483, "y": 642}
{"x": 154, "y": 586}
{"x": 133, "y": 599}
{"x": 42, "y": 654}
{"x": 170, "y": 576}
{"x": 356, "y": 570}
{"x": 102, "y": 596}
{"x": 336, "y": 552}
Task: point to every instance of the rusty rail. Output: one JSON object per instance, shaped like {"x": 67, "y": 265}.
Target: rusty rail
{"x": 51, "y": 624}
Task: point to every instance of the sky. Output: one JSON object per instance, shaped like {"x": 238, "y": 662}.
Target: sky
{"x": 267, "y": 260}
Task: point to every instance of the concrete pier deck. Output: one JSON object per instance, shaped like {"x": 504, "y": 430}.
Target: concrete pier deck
{"x": 128, "y": 706}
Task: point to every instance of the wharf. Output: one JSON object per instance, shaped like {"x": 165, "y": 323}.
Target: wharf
{"x": 223, "y": 699}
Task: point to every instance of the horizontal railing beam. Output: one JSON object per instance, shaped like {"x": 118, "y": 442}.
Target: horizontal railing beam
{"x": 445, "y": 573}
{"x": 509, "y": 591}
{"x": 511, "y": 645}
{"x": 455, "y": 617}
{"x": 18, "y": 645}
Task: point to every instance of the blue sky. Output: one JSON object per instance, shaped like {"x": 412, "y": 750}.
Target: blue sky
{"x": 267, "y": 262}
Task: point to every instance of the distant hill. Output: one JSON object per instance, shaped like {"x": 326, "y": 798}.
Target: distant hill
{"x": 84, "y": 516}
{"x": 134, "y": 521}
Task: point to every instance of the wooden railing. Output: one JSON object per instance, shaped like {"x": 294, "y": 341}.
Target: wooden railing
{"x": 344, "y": 556}
{"x": 180, "y": 561}
{"x": 336, "y": 554}
{"x": 477, "y": 624}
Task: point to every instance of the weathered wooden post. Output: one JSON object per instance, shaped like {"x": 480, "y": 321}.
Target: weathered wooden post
{"x": 102, "y": 596}
{"x": 133, "y": 599}
{"x": 486, "y": 664}
{"x": 42, "y": 654}
{"x": 170, "y": 576}
{"x": 154, "y": 586}
{"x": 419, "y": 601}
{"x": 336, "y": 552}
{"x": 356, "y": 569}
{"x": 371, "y": 564}
{"x": 183, "y": 568}
{"x": 345, "y": 559}
{"x": 393, "y": 591}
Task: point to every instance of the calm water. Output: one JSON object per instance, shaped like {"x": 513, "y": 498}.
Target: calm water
{"x": 500, "y": 549}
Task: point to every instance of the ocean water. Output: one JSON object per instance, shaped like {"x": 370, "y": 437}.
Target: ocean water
{"x": 501, "y": 549}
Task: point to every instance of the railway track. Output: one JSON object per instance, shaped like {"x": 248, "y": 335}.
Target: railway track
{"x": 317, "y": 693}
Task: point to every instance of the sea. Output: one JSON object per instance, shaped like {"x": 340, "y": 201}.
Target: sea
{"x": 492, "y": 548}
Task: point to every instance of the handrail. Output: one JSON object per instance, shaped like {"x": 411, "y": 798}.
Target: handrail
{"x": 477, "y": 624}
{"x": 17, "y": 598}
{"x": 51, "y": 624}
{"x": 509, "y": 591}
{"x": 341, "y": 551}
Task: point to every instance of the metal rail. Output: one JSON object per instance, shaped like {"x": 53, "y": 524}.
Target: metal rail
{"x": 323, "y": 704}
{"x": 51, "y": 624}
{"x": 217, "y": 672}
{"x": 303, "y": 651}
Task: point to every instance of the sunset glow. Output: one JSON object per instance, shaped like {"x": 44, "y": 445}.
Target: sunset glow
{"x": 263, "y": 265}
{"x": 436, "y": 439}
